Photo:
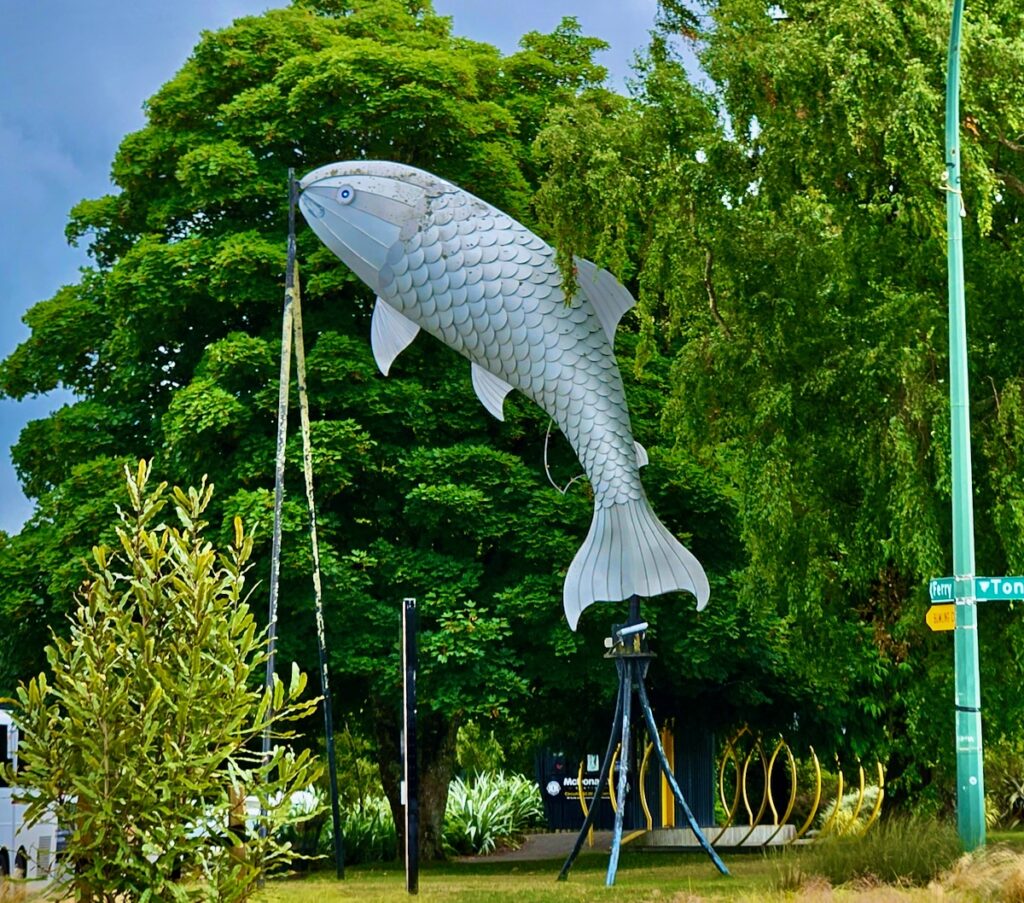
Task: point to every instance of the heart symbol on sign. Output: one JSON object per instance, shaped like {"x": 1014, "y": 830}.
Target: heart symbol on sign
{"x": 984, "y": 584}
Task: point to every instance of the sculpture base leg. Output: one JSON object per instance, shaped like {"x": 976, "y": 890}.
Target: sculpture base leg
{"x": 632, "y": 671}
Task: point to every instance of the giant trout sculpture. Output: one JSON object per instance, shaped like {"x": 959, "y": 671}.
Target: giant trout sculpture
{"x": 444, "y": 261}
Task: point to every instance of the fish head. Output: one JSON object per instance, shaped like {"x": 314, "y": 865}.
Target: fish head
{"x": 361, "y": 208}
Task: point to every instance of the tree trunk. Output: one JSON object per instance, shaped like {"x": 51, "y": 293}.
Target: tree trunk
{"x": 435, "y": 740}
{"x": 437, "y": 767}
{"x": 387, "y": 734}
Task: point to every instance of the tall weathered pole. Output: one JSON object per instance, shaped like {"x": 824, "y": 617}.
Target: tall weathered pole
{"x": 970, "y": 776}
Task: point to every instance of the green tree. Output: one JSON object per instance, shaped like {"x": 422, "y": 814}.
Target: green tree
{"x": 141, "y": 742}
{"x": 170, "y": 343}
{"x": 786, "y": 222}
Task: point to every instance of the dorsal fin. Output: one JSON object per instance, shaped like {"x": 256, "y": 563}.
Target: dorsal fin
{"x": 641, "y": 455}
{"x": 611, "y": 299}
{"x": 491, "y": 390}
{"x": 390, "y": 334}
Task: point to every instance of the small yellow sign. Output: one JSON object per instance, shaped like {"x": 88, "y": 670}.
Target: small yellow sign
{"x": 941, "y": 617}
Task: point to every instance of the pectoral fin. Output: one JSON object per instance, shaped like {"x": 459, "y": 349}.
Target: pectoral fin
{"x": 491, "y": 390}
{"x": 641, "y": 455}
{"x": 390, "y": 334}
{"x": 611, "y": 299}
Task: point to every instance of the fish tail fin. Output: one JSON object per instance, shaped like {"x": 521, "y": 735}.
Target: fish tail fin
{"x": 629, "y": 551}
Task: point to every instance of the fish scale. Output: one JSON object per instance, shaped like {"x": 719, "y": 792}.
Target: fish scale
{"x": 609, "y": 460}
{"x": 448, "y": 263}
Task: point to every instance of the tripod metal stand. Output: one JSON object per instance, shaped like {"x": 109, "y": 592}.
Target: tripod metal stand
{"x": 632, "y": 657}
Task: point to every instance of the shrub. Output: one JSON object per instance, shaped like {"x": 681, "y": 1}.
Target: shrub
{"x": 307, "y": 812}
{"x": 494, "y": 808}
{"x": 844, "y": 821}
{"x": 358, "y": 774}
{"x": 904, "y": 851}
{"x": 1004, "y": 783}
{"x": 142, "y": 741}
{"x": 806, "y": 784}
{"x": 368, "y": 832}
{"x": 478, "y": 751}
{"x": 489, "y": 810}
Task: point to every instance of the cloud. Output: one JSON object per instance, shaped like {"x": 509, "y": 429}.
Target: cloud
{"x": 39, "y": 184}
{"x": 75, "y": 76}
{"x": 38, "y": 171}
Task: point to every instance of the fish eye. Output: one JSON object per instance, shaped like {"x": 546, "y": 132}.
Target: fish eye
{"x": 346, "y": 194}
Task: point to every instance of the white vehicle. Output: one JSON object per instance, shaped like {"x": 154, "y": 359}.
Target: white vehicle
{"x": 24, "y": 852}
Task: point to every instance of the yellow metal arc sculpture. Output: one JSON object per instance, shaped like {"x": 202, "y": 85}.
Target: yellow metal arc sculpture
{"x": 741, "y": 796}
{"x": 741, "y": 793}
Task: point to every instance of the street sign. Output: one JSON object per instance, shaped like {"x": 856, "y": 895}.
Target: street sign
{"x": 986, "y": 589}
{"x": 998, "y": 588}
{"x": 941, "y": 617}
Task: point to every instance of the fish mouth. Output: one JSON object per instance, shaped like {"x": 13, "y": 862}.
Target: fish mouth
{"x": 359, "y": 209}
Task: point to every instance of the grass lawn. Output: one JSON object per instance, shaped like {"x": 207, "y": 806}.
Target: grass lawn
{"x": 652, "y": 877}
{"x": 642, "y": 878}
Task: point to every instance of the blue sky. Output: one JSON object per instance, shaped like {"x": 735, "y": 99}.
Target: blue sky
{"x": 75, "y": 75}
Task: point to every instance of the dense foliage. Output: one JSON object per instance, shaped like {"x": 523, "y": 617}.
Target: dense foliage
{"x": 784, "y": 217}
{"x": 780, "y": 217}
{"x": 143, "y": 742}
{"x": 170, "y": 343}
{"x": 490, "y": 809}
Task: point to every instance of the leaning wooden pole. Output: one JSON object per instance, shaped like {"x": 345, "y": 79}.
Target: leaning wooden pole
{"x": 287, "y": 330}
{"x": 325, "y": 682}
{"x": 321, "y": 635}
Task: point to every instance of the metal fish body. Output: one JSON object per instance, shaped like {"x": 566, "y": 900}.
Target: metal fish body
{"x": 446, "y": 262}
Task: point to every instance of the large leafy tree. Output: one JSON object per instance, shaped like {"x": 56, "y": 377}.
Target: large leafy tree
{"x": 170, "y": 344}
{"x": 786, "y": 221}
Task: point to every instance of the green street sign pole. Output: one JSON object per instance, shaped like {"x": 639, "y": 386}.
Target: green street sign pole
{"x": 970, "y": 776}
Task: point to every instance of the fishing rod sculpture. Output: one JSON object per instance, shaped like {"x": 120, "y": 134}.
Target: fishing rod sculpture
{"x": 445, "y": 262}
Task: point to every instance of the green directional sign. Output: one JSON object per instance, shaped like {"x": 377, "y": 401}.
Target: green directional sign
{"x": 986, "y": 589}
{"x": 998, "y": 588}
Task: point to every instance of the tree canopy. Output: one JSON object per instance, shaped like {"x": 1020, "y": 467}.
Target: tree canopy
{"x": 170, "y": 342}
{"x": 784, "y": 215}
{"x": 779, "y": 214}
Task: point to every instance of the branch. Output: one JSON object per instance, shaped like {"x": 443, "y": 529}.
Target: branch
{"x": 1011, "y": 182}
{"x": 709, "y": 286}
{"x": 995, "y": 393}
{"x": 1012, "y": 145}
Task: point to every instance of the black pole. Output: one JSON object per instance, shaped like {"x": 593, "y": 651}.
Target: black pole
{"x": 314, "y": 542}
{"x": 332, "y": 761}
{"x": 634, "y": 609}
{"x": 410, "y": 782}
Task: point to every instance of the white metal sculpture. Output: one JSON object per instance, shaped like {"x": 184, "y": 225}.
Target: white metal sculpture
{"x": 444, "y": 261}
